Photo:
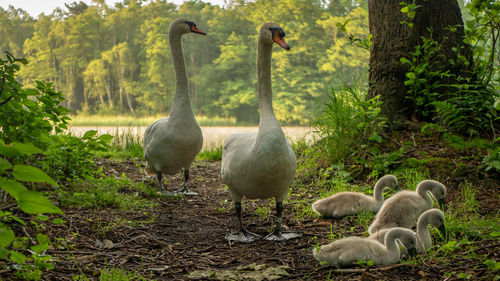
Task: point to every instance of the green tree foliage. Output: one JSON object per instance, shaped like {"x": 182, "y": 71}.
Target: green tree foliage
{"x": 114, "y": 60}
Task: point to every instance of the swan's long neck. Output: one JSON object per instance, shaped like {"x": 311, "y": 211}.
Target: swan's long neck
{"x": 181, "y": 104}
{"x": 378, "y": 190}
{"x": 423, "y": 234}
{"x": 422, "y": 191}
{"x": 391, "y": 244}
{"x": 264, "y": 89}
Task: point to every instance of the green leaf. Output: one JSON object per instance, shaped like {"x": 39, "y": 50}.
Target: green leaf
{"x": 31, "y": 174}
{"x": 4, "y": 165}
{"x": 41, "y": 217}
{"x": 17, "y": 257}
{"x": 12, "y": 187}
{"x": 495, "y": 234}
{"x": 106, "y": 138}
{"x": 375, "y": 137}
{"x": 6, "y": 236}
{"x": 58, "y": 221}
{"x": 33, "y": 202}
{"x": 410, "y": 75}
{"x": 3, "y": 253}
{"x": 89, "y": 134}
{"x": 26, "y": 148}
{"x": 496, "y": 105}
{"x": 9, "y": 151}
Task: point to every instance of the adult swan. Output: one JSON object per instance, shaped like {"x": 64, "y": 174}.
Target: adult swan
{"x": 172, "y": 143}
{"x": 261, "y": 165}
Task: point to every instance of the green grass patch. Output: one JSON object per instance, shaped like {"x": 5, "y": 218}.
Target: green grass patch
{"x": 124, "y": 120}
{"x": 115, "y": 274}
{"x": 103, "y": 193}
{"x": 213, "y": 152}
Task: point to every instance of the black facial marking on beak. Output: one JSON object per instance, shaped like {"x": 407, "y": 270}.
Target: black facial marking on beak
{"x": 412, "y": 252}
{"x": 278, "y": 36}
{"x": 442, "y": 229}
{"x": 441, "y": 204}
{"x": 193, "y": 28}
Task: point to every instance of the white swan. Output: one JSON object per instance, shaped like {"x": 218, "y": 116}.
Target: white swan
{"x": 349, "y": 203}
{"x": 172, "y": 143}
{"x": 403, "y": 209}
{"x": 348, "y": 251}
{"x": 261, "y": 165}
{"x": 432, "y": 217}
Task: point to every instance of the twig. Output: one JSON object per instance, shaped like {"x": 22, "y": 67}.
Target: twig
{"x": 8, "y": 206}
{"x": 6, "y": 100}
{"x": 361, "y": 270}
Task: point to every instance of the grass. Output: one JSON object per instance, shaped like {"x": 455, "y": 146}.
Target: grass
{"x": 109, "y": 192}
{"x": 123, "y": 120}
{"x": 211, "y": 152}
{"x": 115, "y": 274}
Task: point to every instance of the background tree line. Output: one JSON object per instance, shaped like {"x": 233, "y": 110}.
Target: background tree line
{"x": 116, "y": 60}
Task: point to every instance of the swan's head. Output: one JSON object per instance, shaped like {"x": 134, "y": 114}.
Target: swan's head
{"x": 437, "y": 189}
{"x": 406, "y": 236}
{"x": 389, "y": 181}
{"x": 184, "y": 25}
{"x": 435, "y": 218}
{"x": 273, "y": 33}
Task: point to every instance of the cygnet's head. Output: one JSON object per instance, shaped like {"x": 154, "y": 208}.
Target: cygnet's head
{"x": 435, "y": 218}
{"x": 389, "y": 181}
{"x": 437, "y": 189}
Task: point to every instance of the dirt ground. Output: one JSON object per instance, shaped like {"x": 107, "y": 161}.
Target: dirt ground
{"x": 183, "y": 239}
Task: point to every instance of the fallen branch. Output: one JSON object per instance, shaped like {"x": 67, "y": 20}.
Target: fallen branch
{"x": 362, "y": 270}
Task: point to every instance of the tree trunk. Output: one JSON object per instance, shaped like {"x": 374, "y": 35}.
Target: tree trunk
{"x": 393, "y": 40}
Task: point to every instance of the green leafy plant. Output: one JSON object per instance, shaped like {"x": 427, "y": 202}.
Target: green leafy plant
{"x": 12, "y": 176}
{"x": 409, "y": 9}
{"x": 466, "y": 106}
{"x": 349, "y": 123}
{"x": 33, "y": 113}
{"x": 71, "y": 157}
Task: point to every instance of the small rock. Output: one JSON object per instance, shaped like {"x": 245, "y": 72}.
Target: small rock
{"x": 107, "y": 244}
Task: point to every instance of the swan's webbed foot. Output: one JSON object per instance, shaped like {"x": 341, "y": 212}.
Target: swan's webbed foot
{"x": 185, "y": 191}
{"x": 243, "y": 236}
{"x": 277, "y": 234}
{"x": 282, "y": 236}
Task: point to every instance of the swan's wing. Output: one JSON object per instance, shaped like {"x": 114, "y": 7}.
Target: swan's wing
{"x": 152, "y": 129}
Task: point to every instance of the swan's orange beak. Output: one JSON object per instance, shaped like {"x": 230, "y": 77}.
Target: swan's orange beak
{"x": 280, "y": 41}
{"x": 197, "y": 30}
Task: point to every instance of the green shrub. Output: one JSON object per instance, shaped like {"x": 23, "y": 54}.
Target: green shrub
{"x": 349, "y": 123}
{"x": 32, "y": 113}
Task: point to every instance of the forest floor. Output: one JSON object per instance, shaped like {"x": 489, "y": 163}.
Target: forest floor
{"x": 183, "y": 238}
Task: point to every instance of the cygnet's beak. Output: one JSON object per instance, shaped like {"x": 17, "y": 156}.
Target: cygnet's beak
{"x": 442, "y": 229}
{"x": 412, "y": 252}
{"x": 441, "y": 204}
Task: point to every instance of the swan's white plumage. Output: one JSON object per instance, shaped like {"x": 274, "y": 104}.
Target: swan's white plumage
{"x": 171, "y": 143}
{"x": 433, "y": 217}
{"x": 349, "y": 203}
{"x": 403, "y": 208}
{"x": 260, "y": 165}
{"x": 348, "y": 251}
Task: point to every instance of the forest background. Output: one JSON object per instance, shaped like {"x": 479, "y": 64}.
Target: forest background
{"x": 116, "y": 60}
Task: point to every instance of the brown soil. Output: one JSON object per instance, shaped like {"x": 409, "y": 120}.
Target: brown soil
{"x": 186, "y": 234}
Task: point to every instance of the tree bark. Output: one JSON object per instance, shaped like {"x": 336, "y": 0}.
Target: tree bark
{"x": 392, "y": 40}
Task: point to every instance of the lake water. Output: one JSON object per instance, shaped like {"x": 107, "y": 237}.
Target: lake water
{"x": 212, "y": 136}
